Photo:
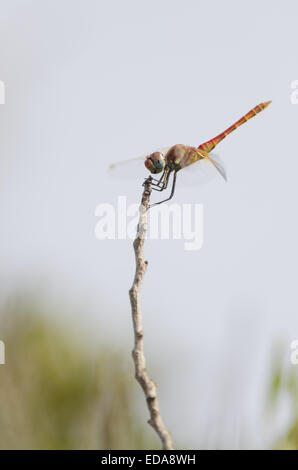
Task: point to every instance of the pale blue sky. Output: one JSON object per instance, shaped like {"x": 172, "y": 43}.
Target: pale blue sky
{"x": 91, "y": 82}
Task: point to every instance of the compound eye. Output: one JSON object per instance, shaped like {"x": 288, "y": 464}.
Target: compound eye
{"x": 155, "y": 162}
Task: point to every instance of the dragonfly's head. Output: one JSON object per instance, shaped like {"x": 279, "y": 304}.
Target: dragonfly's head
{"x": 155, "y": 162}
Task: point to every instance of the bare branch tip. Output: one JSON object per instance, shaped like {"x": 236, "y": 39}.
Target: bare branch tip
{"x": 141, "y": 375}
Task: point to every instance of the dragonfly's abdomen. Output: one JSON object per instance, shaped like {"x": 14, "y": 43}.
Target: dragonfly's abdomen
{"x": 208, "y": 146}
{"x": 180, "y": 156}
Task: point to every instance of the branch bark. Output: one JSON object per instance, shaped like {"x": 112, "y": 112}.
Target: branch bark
{"x": 141, "y": 375}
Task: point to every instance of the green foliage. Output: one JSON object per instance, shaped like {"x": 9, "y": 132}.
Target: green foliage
{"x": 57, "y": 394}
{"x": 284, "y": 382}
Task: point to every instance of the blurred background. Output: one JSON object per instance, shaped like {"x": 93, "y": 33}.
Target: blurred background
{"x": 92, "y": 82}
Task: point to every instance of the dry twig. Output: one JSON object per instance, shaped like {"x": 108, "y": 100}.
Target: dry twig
{"x": 141, "y": 374}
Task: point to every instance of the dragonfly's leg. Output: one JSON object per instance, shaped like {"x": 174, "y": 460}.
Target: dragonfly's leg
{"x": 166, "y": 183}
{"x": 157, "y": 187}
{"x": 163, "y": 176}
{"x": 172, "y": 192}
{"x": 161, "y": 182}
{"x": 154, "y": 182}
{"x": 160, "y": 185}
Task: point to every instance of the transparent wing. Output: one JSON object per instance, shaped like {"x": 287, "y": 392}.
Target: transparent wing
{"x": 132, "y": 168}
{"x": 202, "y": 171}
{"x": 218, "y": 164}
{"x": 128, "y": 169}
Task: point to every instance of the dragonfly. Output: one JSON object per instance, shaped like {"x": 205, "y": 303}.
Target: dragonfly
{"x": 170, "y": 160}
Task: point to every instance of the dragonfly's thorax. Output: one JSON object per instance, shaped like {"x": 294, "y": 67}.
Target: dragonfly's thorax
{"x": 180, "y": 156}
